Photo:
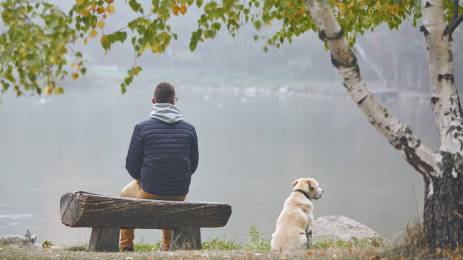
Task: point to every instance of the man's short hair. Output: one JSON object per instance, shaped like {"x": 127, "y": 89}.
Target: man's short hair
{"x": 164, "y": 93}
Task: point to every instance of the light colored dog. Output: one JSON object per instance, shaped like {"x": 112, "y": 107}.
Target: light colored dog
{"x": 294, "y": 225}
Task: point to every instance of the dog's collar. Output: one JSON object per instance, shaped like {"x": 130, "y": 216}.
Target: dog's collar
{"x": 303, "y": 192}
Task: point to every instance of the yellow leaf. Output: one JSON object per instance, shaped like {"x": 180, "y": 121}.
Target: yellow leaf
{"x": 136, "y": 70}
{"x": 48, "y": 90}
{"x": 183, "y": 9}
{"x": 75, "y": 76}
{"x": 85, "y": 12}
{"x": 340, "y": 6}
{"x": 156, "y": 48}
{"x": 351, "y": 4}
{"x": 100, "y": 9}
{"x": 59, "y": 91}
{"x": 176, "y": 9}
{"x": 111, "y": 9}
{"x": 104, "y": 40}
{"x": 93, "y": 33}
{"x": 80, "y": 2}
{"x": 101, "y": 24}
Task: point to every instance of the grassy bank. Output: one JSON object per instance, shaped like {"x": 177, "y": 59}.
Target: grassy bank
{"x": 257, "y": 247}
{"x": 213, "y": 249}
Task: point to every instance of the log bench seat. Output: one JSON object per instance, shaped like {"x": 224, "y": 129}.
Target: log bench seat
{"x": 106, "y": 215}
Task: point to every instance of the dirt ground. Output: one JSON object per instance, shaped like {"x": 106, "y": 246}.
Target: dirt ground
{"x": 31, "y": 252}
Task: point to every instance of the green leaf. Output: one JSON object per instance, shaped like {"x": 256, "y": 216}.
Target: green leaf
{"x": 105, "y": 43}
{"x": 108, "y": 39}
{"x": 257, "y": 24}
{"x": 136, "y": 70}
{"x": 118, "y": 36}
{"x": 216, "y": 26}
{"x": 135, "y": 6}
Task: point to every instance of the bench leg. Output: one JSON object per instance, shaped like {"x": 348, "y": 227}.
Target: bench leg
{"x": 104, "y": 239}
{"x": 186, "y": 238}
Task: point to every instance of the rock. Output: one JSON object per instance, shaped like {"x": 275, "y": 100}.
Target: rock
{"x": 26, "y": 240}
{"x": 341, "y": 228}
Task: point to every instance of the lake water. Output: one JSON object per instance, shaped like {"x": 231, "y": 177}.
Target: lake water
{"x": 251, "y": 148}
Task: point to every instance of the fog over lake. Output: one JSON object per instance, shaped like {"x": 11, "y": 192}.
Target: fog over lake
{"x": 262, "y": 120}
{"x": 251, "y": 149}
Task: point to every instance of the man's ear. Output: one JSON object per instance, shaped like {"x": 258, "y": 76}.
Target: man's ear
{"x": 153, "y": 100}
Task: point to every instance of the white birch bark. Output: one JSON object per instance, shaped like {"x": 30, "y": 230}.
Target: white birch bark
{"x": 445, "y": 101}
{"x": 423, "y": 159}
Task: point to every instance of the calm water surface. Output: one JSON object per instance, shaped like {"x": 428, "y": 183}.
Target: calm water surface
{"x": 251, "y": 149}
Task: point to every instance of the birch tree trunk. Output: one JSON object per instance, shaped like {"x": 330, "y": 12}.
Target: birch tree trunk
{"x": 441, "y": 170}
{"x": 443, "y": 207}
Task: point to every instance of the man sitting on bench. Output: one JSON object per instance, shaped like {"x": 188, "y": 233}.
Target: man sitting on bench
{"x": 162, "y": 156}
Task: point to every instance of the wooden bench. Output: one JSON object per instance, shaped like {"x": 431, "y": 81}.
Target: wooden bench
{"x": 105, "y": 215}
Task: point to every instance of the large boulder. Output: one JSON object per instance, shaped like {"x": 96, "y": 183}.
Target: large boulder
{"x": 341, "y": 228}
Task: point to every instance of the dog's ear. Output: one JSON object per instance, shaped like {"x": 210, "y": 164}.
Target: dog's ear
{"x": 310, "y": 183}
{"x": 295, "y": 182}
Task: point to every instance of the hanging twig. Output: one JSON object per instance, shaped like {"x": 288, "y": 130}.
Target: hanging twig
{"x": 455, "y": 9}
{"x": 456, "y": 20}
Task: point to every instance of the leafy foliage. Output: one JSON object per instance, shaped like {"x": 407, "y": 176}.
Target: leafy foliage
{"x": 35, "y": 48}
{"x": 357, "y": 16}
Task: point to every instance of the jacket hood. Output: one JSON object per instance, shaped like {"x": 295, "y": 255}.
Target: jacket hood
{"x": 166, "y": 112}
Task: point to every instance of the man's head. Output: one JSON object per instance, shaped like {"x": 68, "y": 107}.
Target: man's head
{"x": 164, "y": 93}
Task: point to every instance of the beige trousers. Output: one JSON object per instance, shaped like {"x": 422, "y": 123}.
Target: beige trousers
{"x": 133, "y": 190}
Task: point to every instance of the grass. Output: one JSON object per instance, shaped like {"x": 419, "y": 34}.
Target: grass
{"x": 411, "y": 246}
{"x": 342, "y": 244}
{"x": 219, "y": 244}
{"x": 414, "y": 240}
{"x": 76, "y": 248}
{"x": 414, "y": 246}
{"x": 146, "y": 247}
{"x": 256, "y": 243}
{"x": 259, "y": 247}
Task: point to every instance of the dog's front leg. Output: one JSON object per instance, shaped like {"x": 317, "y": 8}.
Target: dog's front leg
{"x": 308, "y": 234}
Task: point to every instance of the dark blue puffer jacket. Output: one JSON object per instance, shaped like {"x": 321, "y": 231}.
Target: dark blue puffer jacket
{"x": 163, "y": 156}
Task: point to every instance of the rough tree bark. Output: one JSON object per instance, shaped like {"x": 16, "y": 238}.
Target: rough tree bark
{"x": 442, "y": 171}
{"x": 443, "y": 207}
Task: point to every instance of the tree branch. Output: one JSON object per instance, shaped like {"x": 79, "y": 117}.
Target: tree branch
{"x": 455, "y": 9}
{"x": 423, "y": 159}
{"x": 456, "y": 21}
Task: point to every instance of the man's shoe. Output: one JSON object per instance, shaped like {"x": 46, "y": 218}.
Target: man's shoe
{"x": 127, "y": 249}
